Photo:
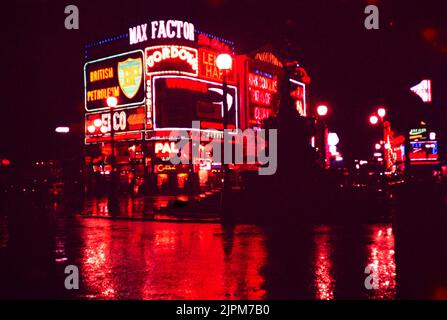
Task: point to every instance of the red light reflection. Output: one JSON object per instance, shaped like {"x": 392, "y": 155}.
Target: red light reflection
{"x": 381, "y": 258}
{"x": 323, "y": 267}
{"x": 154, "y": 260}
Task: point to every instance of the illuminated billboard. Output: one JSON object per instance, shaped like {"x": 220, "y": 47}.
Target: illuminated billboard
{"x": 424, "y": 151}
{"x": 120, "y": 76}
{"x": 171, "y": 59}
{"x": 263, "y": 97}
{"x": 179, "y": 100}
{"x": 127, "y": 124}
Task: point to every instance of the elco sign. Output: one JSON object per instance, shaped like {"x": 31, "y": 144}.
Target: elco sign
{"x": 162, "y": 30}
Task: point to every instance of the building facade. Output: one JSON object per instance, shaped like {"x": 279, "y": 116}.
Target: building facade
{"x": 167, "y": 86}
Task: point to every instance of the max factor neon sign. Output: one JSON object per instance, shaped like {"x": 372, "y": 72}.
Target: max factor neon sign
{"x": 162, "y": 29}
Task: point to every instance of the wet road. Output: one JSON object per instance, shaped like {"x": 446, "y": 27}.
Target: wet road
{"x": 134, "y": 259}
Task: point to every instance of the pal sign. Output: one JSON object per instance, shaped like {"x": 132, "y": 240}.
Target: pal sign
{"x": 161, "y": 29}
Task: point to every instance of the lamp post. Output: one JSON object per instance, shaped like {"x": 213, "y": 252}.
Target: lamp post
{"x": 224, "y": 63}
{"x": 322, "y": 111}
{"x": 112, "y": 102}
{"x": 379, "y": 118}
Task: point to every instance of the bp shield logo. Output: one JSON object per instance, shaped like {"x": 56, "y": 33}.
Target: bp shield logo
{"x": 129, "y": 76}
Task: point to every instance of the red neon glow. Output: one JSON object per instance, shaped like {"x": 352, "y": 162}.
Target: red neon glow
{"x": 186, "y": 84}
{"x": 262, "y": 113}
{"x": 260, "y": 97}
{"x": 159, "y": 60}
{"x": 323, "y": 272}
{"x": 214, "y": 43}
{"x": 260, "y": 82}
{"x": 210, "y": 267}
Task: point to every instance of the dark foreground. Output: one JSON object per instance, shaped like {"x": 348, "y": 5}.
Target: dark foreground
{"x": 138, "y": 259}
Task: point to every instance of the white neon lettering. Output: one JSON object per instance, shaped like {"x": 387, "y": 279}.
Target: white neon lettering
{"x": 161, "y": 30}
{"x": 133, "y": 35}
{"x": 186, "y": 31}
{"x": 143, "y": 32}
{"x": 154, "y": 25}
{"x": 169, "y": 31}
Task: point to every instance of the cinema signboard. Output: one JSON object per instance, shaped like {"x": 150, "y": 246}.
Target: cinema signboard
{"x": 120, "y": 76}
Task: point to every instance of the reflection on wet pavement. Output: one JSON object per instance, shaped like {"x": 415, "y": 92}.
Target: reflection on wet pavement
{"x": 323, "y": 264}
{"x": 381, "y": 259}
{"x": 132, "y": 260}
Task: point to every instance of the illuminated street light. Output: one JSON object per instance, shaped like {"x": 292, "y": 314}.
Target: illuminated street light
{"x": 91, "y": 128}
{"x": 97, "y": 123}
{"x": 378, "y": 146}
{"x": 62, "y": 130}
{"x": 373, "y": 119}
{"x": 332, "y": 139}
{"x": 224, "y": 61}
{"x": 322, "y": 110}
{"x": 112, "y": 102}
{"x": 381, "y": 112}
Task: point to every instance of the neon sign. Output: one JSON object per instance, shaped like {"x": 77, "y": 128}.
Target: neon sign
{"x": 263, "y": 95}
{"x": 165, "y": 167}
{"x": 123, "y": 121}
{"x": 165, "y": 59}
{"x": 269, "y": 58}
{"x": 162, "y": 30}
{"x": 163, "y": 150}
{"x": 418, "y": 133}
{"x": 261, "y": 113}
{"x": 204, "y": 40}
{"x": 208, "y": 68}
{"x": 119, "y": 76}
{"x": 423, "y": 90}
{"x": 179, "y": 100}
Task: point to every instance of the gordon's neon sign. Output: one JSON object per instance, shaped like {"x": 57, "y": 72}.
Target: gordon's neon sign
{"x": 162, "y": 59}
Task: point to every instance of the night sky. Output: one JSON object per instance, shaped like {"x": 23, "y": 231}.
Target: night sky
{"x": 352, "y": 69}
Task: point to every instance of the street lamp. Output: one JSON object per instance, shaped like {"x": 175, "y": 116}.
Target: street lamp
{"x": 322, "y": 111}
{"x": 62, "y": 130}
{"x": 224, "y": 63}
{"x": 112, "y": 102}
{"x": 373, "y": 120}
{"x": 379, "y": 117}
